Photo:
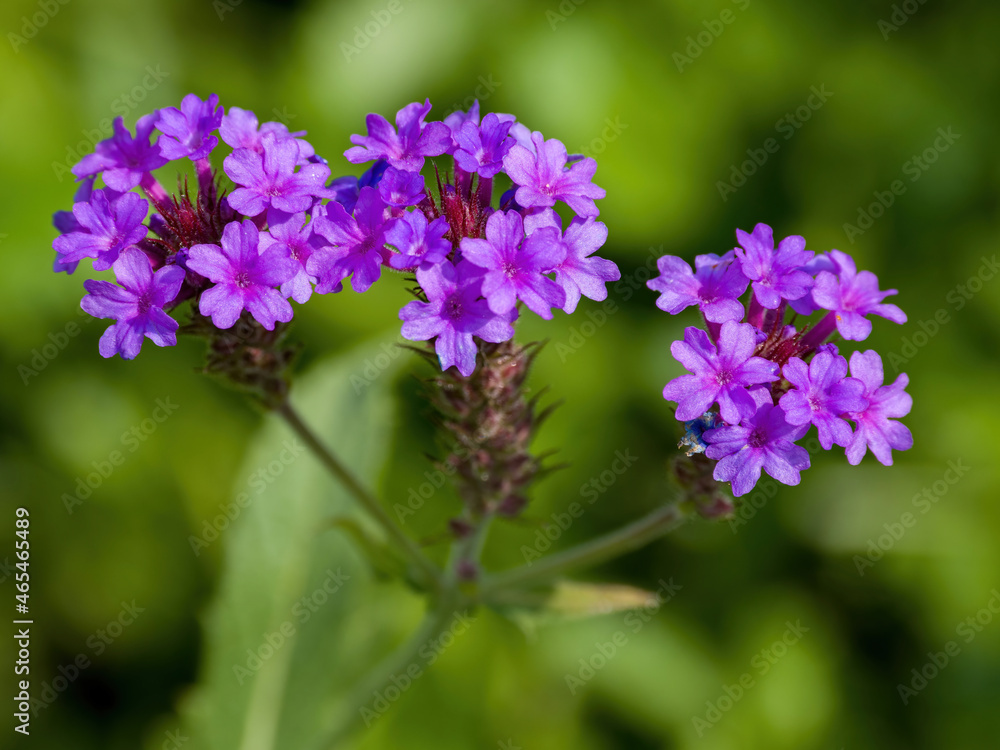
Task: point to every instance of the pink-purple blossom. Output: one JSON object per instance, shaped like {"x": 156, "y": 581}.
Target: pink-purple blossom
{"x": 418, "y": 242}
{"x": 543, "y": 178}
{"x": 188, "y": 131}
{"x": 715, "y": 286}
{"x": 105, "y": 227}
{"x": 851, "y": 295}
{"x": 822, "y": 395}
{"x": 270, "y": 180}
{"x": 121, "y": 159}
{"x": 876, "y": 427}
{"x": 404, "y": 146}
{"x": 775, "y": 275}
{"x": 356, "y": 244}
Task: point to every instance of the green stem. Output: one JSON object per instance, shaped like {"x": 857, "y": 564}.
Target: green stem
{"x": 369, "y": 502}
{"x": 658, "y": 523}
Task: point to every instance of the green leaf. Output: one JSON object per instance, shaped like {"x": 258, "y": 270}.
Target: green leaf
{"x": 287, "y": 634}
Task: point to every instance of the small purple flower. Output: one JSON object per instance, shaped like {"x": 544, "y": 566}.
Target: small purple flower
{"x": 358, "y": 244}
{"x": 806, "y": 305}
{"x": 765, "y": 441}
{"x": 407, "y": 148}
{"x": 401, "y": 189}
{"x": 244, "y": 278}
{"x": 720, "y": 374}
{"x": 481, "y": 148}
{"x": 296, "y": 240}
{"x": 270, "y": 180}
{"x": 65, "y": 222}
{"x": 239, "y": 130}
{"x": 543, "y": 178}
{"x": 454, "y": 313}
{"x": 822, "y": 395}
{"x": 121, "y": 159}
{"x": 851, "y": 296}
{"x": 715, "y": 286}
{"x": 187, "y": 132}
{"x": 874, "y": 428}
{"x": 457, "y": 119}
{"x": 419, "y": 243}
{"x": 515, "y": 266}
{"x": 106, "y": 228}
{"x": 137, "y": 304}
{"x": 345, "y": 190}
{"x": 776, "y": 274}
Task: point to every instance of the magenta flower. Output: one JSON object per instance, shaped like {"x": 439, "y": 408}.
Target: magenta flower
{"x": 822, "y": 396}
{"x": 515, "y": 266}
{"x": 401, "y": 189}
{"x": 239, "y": 130}
{"x": 715, "y": 286}
{"x": 542, "y": 177}
{"x": 407, "y": 148}
{"x": 358, "y": 244}
{"x": 718, "y": 375}
{"x": 137, "y": 304}
{"x": 187, "y": 132}
{"x": 775, "y": 274}
{"x": 457, "y": 119}
{"x": 269, "y": 180}
{"x": 244, "y": 278}
{"x": 297, "y": 240}
{"x": 121, "y": 159}
{"x": 453, "y": 314}
{"x": 765, "y": 441}
{"x": 106, "y": 228}
{"x": 851, "y": 295}
{"x": 419, "y": 243}
{"x": 345, "y": 190}
{"x": 874, "y": 427}
{"x": 481, "y": 148}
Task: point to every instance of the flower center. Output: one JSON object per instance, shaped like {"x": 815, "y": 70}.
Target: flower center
{"x": 452, "y": 309}
{"x": 242, "y": 279}
{"x": 724, "y": 377}
{"x": 144, "y": 303}
{"x": 757, "y": 438}
{"x": 509, "y": 269}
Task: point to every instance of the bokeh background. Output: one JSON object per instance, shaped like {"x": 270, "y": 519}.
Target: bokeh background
{"x": 668, "y": 96}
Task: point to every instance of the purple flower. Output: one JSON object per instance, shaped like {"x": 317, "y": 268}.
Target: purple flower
{"x": 765, "y": 441}
{"x": 239, "y": 130}
{"x": 457, "y": 119}
{"x": 244, "y": 278}
{"x": 543, "y": 178}
{"x": 481, "y": 148}
{"x": 720, "y": 374}
{"x": 851, "y": 296}
{"x": 345, "y": 190}
{"x": 187, "y": 132}
{"x": 121, "y": 159}
{"x": 454, "y": 313}
{"x": 65, "y": 222}
{"x": 137, "y": 304}
{"x": 419, "y": 243}
{"x": 106, "y": 228}
{"x": 874, "y": 428}
{"x": 407, "y": 148}
{"x": 295, "y": 240}
{"x": 401, "y": 189}
{"x": 823, "y": 394}
{"x": 270, "y": 180}
{"x": 515, "y": 266}
{"x": 776, "y": 275}
{"x": 715, "y": 286}
{"x": 358, "y": 244}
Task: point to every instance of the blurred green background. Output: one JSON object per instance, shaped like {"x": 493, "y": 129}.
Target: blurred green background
{"x": 668, "y": 96}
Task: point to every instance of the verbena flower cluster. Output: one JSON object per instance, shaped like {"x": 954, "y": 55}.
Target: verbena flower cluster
{"x": 757, "y": 382}
{"x": 284, "y": 231}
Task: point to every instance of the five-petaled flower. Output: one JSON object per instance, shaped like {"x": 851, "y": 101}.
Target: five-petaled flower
{"x": 543, "y": 178}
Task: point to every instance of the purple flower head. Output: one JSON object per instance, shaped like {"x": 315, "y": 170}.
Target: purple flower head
{"x": 776, "y": 274}
{"x": 137, "y": 304}
{"x": 121, "y": 159}
{"x": 406, "y": 148}
{"x": 65, "y": 222}
{"x": 239, "y": 130}
{"x": 806, "y": 305}
{"x": 401, "y": 189}
{"x": 851, "y": 296}
{"x": 543, "y": 178}
{"x": 295, "y": 240}
{"x": 875, "y": 428}
{"x": 419, "y": 243}
{"x": 454, "y": 313}
{"x": 187, "y": 132}
{"x": 718, "y": 375}
{"x": 822, "y": 395}
{"x": 481, "y": 148}
{"x": 270, "y": 180}
{"x": 765, "y": 441}
{"x": 345, "y": 190}
{"x": 106, "y": 228}
{"x": 358, "y": 244}
{"x": 457, "y": 119}
{"x": 515, "y": 266}
{"x": 715, "y": 286}
{"x": 244, "y": 278}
